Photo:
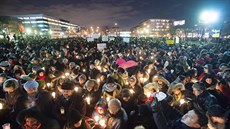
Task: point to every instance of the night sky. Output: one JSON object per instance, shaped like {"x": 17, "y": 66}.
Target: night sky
{"x": 127, "y": 13}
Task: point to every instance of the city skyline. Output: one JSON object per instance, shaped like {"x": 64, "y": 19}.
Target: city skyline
{"x": 126, "y": 13}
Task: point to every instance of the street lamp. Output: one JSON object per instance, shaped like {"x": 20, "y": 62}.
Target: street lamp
{"x": 208, "y": 17}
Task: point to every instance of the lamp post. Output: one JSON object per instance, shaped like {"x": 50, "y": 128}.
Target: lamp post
{"x": 207, "y": 18}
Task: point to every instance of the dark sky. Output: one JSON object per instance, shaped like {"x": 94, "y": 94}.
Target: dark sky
{"x": 127, "y": 13}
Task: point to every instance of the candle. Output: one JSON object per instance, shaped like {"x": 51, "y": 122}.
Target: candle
{"x": 149, "y": 71}
{"x": 98, "y": 80}
{"x": 76, "y": 89}
{"x": 102, "y": 122}
{"x": 107, "y": 99}
{"x": 48, "y": 84}
{"x": 96, "y": 118}
{"x": 83, "y": 70}
{"x": 148, "y": 94}
{"x": 87, "y": 100}
{"x": 63, "y": 77}
{"x": 53, "y": 94}
{"x": 1, "y": 106}
{"x": 131, "y": 91}
{"x": 43, "y": 68}
{"x": 182, "y": 101}
{"x": 66, "y": 74}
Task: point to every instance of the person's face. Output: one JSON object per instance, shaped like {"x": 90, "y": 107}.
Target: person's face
{"x": 41, "y": 74}
{"x": 31, "y": 90}
{"x": 78, "y": 124}
{"x": 206, "y": 70}
{"x": 196, "y": 92}
{"x": 208, "y": 80}
{"x": 32, "y": 123}
{"x": 126, "y": 99}
{"x": 132, "y": 82}
{"x": 190, "y": 119}
{"x": 218, "y": 119}
{"x": 176, "y": 91}
{"x": 67, "y": 93}
{"x": 89, "y": 88}
{"x": 9, "y": 90}
{"x": 82, "y": 80}
{"x": 100, "y": 110}
{"x": 2, "y": 79}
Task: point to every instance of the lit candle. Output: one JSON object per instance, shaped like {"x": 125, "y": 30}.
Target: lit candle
{"x": 148, "y": 94}
{"x": 48, "y": 84}
{"x": 182, "y": 101}
{"x": 43, "y": 68}
{"x": 98, "y": 80}
{"x": 102, "y": 123}
{"x": 96, "y": 118}
{"x": 152, "y": 57}
{"x": 53, "y": 94}
{"x": 107, "y": 99}
{"x": 131, "y": 91}
{"x": 66, "y": 74}
{"x": 83, "y": 70}
{"x": 63, "y": 77}
{"x": 127, "y": 83}
{"x": 1, "y": 106}
{"x": 149, "y": 71}
{"x": 62, "y": 110}
{"x": 76, "y": 89}
{"x": 87, "y": 100}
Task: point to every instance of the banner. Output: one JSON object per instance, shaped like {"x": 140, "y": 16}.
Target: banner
{"x": 101, "y": 46}
{"x": 168, "y": 41}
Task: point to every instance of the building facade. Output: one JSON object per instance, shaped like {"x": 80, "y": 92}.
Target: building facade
{"x": 40, "y": 24}
{"x": 153, "y": 28}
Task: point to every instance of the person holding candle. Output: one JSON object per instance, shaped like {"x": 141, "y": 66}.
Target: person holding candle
{"x": 67, "y": 101}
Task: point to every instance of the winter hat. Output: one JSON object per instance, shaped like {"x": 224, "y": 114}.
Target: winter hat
{"x": 114, "y": 105}
{"x": 36, "y": 67}
{"x": 93, "y": 84}
{"x": 73, "y": 116}
{"x": 110, "y": 79}
{"x": 102, "y": 103}
{"x": 199, "y": 86}
{"x": 28, "y": 77}
{"x": 11, "y": 82}
{"x": 4, "y": 64}
{"x": 218, "y": 111}
{"x": 68, "y": 86}
{"x": 30, "y": 84}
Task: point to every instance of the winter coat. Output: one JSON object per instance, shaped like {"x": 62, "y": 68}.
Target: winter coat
{"x": 203, "y": 101}
{"x": 62, "y": 106}
{"x": 84, "y": 125}
{"x": 118, "y": 121}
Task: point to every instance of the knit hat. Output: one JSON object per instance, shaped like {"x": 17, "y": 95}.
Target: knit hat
{"x": 114, "y": 106}
{"x": 4, "y": 64}
{"x": 199, "y": 86}
{"x": 68, "y": 86}
{"x": 102, "y": 103}
{"x": 30, "y": 84}
{"x": 11, "y": 82}
{"x": 73, "y": 116}
{"x": 218, "y": 111}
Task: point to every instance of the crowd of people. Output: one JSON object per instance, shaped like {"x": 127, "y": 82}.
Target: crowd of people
{"x": 70, "y": 84}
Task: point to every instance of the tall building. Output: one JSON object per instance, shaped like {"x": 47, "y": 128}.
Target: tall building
{"x": 153, "y": 28}
{"x": 40, "y": 24}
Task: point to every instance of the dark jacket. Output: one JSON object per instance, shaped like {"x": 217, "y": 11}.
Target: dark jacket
{"x": 62, "y": 106}
{"x": 203, "y": 101}
{"x": 179, "y": 125}
{"x": 119, "y": 121}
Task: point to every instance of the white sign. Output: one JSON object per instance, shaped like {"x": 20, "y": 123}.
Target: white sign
{"x": 126, "y": 40}
{"x": 105, "y": 38}
{"x": 101, "y": 46}
{"x": 90, "y": 39}
{"x": 96, "y": 36}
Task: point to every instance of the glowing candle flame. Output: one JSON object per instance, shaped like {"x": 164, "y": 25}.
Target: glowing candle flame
{"x": 87, "y": 100}
{"x": 83, "y": 70}
{"x": 1, "y": 106}
{"x": 53, "y": 94}
{"x": 131, "y": 91}
{"x": 102, "y": 123}
{"x": 107, "y": 99}
{"x": 148, "y": 94}
{"x": 48, "y": 84}
{"x": 96, "y": 118}
{"x": 98, "y": 80}
{"x": 67, "y": 74}
{"x": 182, "y": 101}
{"x": 76, "y": 89}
